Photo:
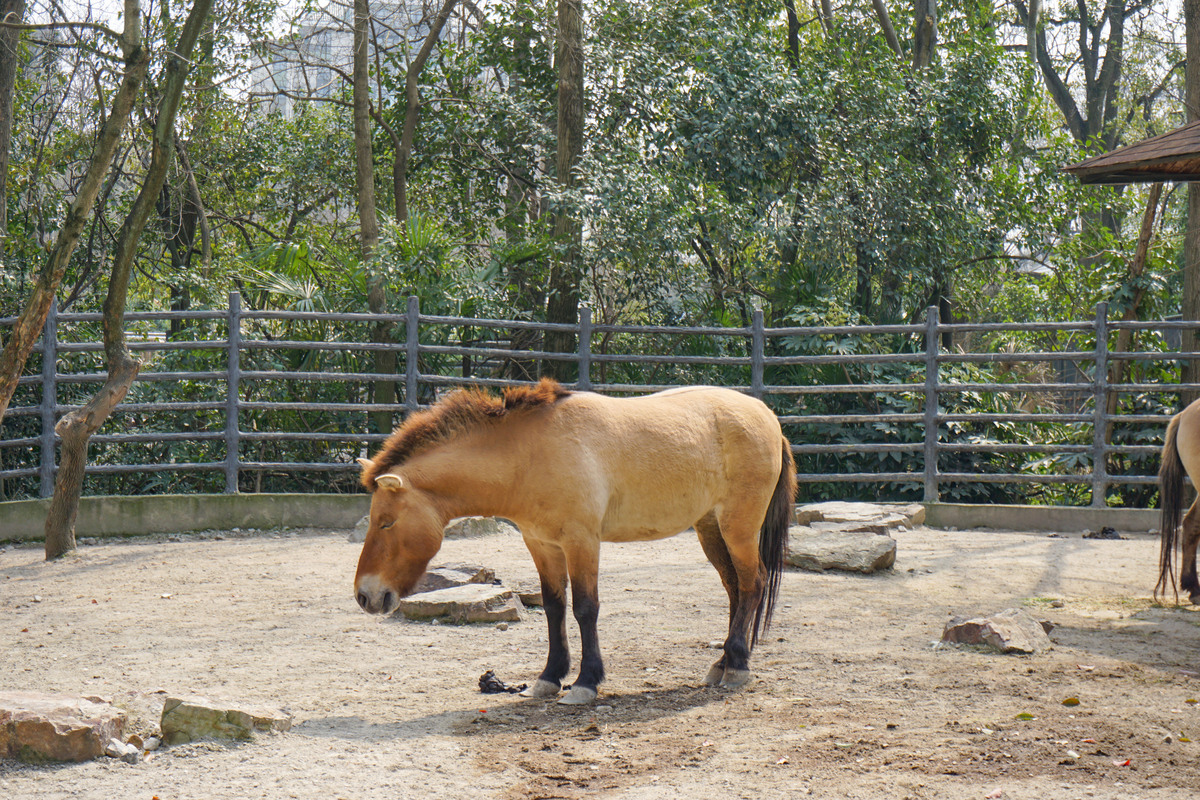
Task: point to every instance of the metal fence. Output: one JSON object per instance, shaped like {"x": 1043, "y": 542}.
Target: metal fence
{"x": 919, "y": 409}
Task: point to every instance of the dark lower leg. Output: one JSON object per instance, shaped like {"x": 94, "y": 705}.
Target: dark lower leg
{"x": 558, "y": 661}
{"x": 586, "y": 605}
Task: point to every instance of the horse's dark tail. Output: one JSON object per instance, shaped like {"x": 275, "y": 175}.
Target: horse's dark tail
{"x": 773, "y": 540}
{"x": 1170, "y": 501}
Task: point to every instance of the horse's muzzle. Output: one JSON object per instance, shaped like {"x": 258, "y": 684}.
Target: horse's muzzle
{"x": 375, "y": 598}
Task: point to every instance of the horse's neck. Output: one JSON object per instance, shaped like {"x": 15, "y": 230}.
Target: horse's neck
{"x": 468, "y": 487}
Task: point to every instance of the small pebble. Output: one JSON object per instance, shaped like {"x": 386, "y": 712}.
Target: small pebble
{"x": 501, "y": 626}
{"x": 1057, "y": 604}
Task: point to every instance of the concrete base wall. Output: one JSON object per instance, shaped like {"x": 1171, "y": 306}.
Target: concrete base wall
{"x": 131, "y": 516}
{"x": 1039, "y": 518}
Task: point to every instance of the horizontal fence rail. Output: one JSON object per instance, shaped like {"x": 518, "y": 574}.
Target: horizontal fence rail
{"x": 234, "y": 394}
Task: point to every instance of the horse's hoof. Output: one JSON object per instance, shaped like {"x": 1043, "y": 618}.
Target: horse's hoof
{"x": 715, "y": 673}
{"x": 735, "y": 678}
{"x": 578, "y": 696}
{"x": 541, "y": 688}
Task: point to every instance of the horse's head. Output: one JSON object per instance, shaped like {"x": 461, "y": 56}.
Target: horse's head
{"x": 404, "y": 534}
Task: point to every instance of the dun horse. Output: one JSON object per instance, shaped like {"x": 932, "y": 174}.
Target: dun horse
{"x": 1181, "y": 453}
{"x": 572, "y": 470}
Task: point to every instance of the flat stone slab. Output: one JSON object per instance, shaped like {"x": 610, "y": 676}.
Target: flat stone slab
{"x": 529, "y": 593}
{"x": 474, "y": 602}
{"x": 1013, "y": 630}
{"x": 189, "y": 718}
{"x": 39, "y": 727}
{"x": 893, "y": 515}
{"x": 466, "y": 527}
{"x": 819, "y": 550}
{"x": 449, "y": 575}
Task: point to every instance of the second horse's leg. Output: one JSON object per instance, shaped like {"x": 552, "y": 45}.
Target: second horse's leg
{"x": 1187, "y": 567}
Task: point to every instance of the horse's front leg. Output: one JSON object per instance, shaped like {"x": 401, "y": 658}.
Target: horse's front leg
{"x": 551, "y": 565}
{"x": 583, "y": 563}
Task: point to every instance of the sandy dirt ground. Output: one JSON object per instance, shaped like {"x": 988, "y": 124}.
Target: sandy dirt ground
{"x": 851, "y": 699}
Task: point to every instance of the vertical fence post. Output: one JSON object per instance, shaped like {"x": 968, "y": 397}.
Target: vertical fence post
{"x": 233, "y": 378}
{"x": 757, "y": 348}
{"x": 931, "y": 405}
{"x": 584, "y": 381}
{"x": 49, "y": 398}
{"x": 412, "y": 351}
{"x": 1100, "y": 412}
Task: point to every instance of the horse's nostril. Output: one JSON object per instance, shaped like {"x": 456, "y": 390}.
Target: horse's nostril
{"x": 362, "y": 599}
{"x": 388, "y": 598}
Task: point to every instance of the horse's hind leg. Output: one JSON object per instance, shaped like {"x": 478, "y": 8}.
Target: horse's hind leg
{"x": 1189, "y": 540}
{"x": 717, "y": 553}
{"x": 741, "y": 568}
{"x": 551, "y": 565}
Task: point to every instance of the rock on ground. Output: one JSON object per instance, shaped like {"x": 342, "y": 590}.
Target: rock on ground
{"x": 186, "y": 719}
{"x": 893, "y": 515}
{"x": 449, "y": 575}
{"x": 851, "y": 551}
{"x": 1010, "y": 631}
{"x": 479, "y": 526}
{"x": 471, "y": 603}
{"x": 47, "y": 727}
{"x": 461, "y": 527}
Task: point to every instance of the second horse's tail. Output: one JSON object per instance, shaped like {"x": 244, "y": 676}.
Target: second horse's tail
{"x": 1170, "y": 494}
{"x": 773, "y": 540}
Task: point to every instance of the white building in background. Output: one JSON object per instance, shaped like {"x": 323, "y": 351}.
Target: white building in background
{"x": 316, "y": 60}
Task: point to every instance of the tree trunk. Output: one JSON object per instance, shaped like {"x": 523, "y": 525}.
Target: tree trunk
{"x": 1137, "y": 267}
{"x": 77, "y": 427}
{"x": 1190, "y": 303}
{"x": 29, "y": 325}
{"x": 924, "y": 33}
{"x": 566, "y": 271}
{"x": 10, "y": 11}
{"x": 384, "y": 392}
{"x": 412, "y": 108}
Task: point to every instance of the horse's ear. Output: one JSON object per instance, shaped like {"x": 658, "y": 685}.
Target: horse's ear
{"x": 365, "y": 463}
{"x": 390, "y": 481}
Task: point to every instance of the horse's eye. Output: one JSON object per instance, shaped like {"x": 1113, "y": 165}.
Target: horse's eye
{"x": 387, "y": 524}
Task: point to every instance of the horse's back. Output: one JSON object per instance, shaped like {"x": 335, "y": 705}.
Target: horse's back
{"x": 660, "y": 462}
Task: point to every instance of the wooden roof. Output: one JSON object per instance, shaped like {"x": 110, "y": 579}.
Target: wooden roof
{"x": 1171, "y": 156}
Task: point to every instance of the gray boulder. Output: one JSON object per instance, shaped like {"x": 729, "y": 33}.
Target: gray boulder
{"x": 850, "y": 551}
{"x": 39, "y": 727}
{"x": 186, "y": 719}
{"x": 1010, "y": 631}
{"x": 893, "y": 515}
{"x": 467, "y": 527}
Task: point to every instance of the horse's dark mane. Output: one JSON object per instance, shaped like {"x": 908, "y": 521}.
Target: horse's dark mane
{"x": 457, "y": 413}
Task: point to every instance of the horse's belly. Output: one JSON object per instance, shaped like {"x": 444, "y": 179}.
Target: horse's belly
{"x": 641, "y": 519}
{"x": 635, "y": 534}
